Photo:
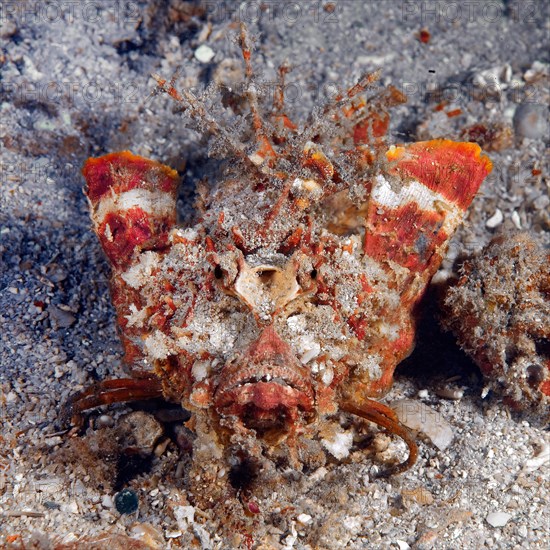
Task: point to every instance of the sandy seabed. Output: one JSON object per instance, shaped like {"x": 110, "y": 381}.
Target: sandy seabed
{"x": 74, "y": 83}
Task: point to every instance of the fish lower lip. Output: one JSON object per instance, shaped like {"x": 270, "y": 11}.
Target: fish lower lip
{"x": 264, "y": 396}
{"x": 278, "y": 388}
{"x": 283, "y": 375}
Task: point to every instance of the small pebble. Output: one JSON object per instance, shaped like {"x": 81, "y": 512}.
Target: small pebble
{"x": 141, "y": 430}
{"x": 537, "y": 70}
{"x": 203, "y": 535}
{"x": 60, "y": 318}
{"x": 498, "y": 519}
{"x": 495, "y": 220}
{"x": 185, "y": 516}
{"x": 253, "y": 508}
{"x": 11, "y": 397}
{"x": 506, "y": 74}
{"x": 541, "y": 458}
{"x": 204, "y": 53}
{"x": 147, "y": 534}
{"x": 304, "y": 519}
{"x": 338, "y": 444}
{"x": 56, "y": 273}
{"x": 516, "y": 219}
{"x": 53, "y": 441}
{"x": 318, "y": 474}
{"x": 126, "y": 502}
{"x": 104, "y": 421}
{"x": 522, "y": 531}
{"x": 7, "y": 28}
{"x": 420, "y": 495}
{"x": 173, "y": 534}
{"x": 530, "y": 120}
{"x": 51, "y": 505}
{"x": 450, "y": 393}
{"x": 542, "y": 202}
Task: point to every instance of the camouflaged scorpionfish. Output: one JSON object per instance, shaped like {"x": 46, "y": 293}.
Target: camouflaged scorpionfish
{"x": 292, "y": 296}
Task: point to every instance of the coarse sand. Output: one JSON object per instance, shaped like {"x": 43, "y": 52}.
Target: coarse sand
{"x": 75, "y": 82}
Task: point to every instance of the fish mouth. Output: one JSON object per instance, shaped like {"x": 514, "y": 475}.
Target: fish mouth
{"x": 265, "y": 398}
{"x": 266, "y": 387}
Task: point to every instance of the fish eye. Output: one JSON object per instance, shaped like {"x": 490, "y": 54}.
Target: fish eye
{"x": 218, "y": 272}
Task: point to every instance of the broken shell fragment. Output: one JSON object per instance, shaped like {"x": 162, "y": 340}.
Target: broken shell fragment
{"x": 418, "y": 416}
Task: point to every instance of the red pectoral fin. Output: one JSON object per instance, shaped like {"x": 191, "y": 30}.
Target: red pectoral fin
{"x": 417, "y": 204}
{"x": 133, "y": 203}
{"x": 455, "y": 170}
{"x": 124, "y": 171}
